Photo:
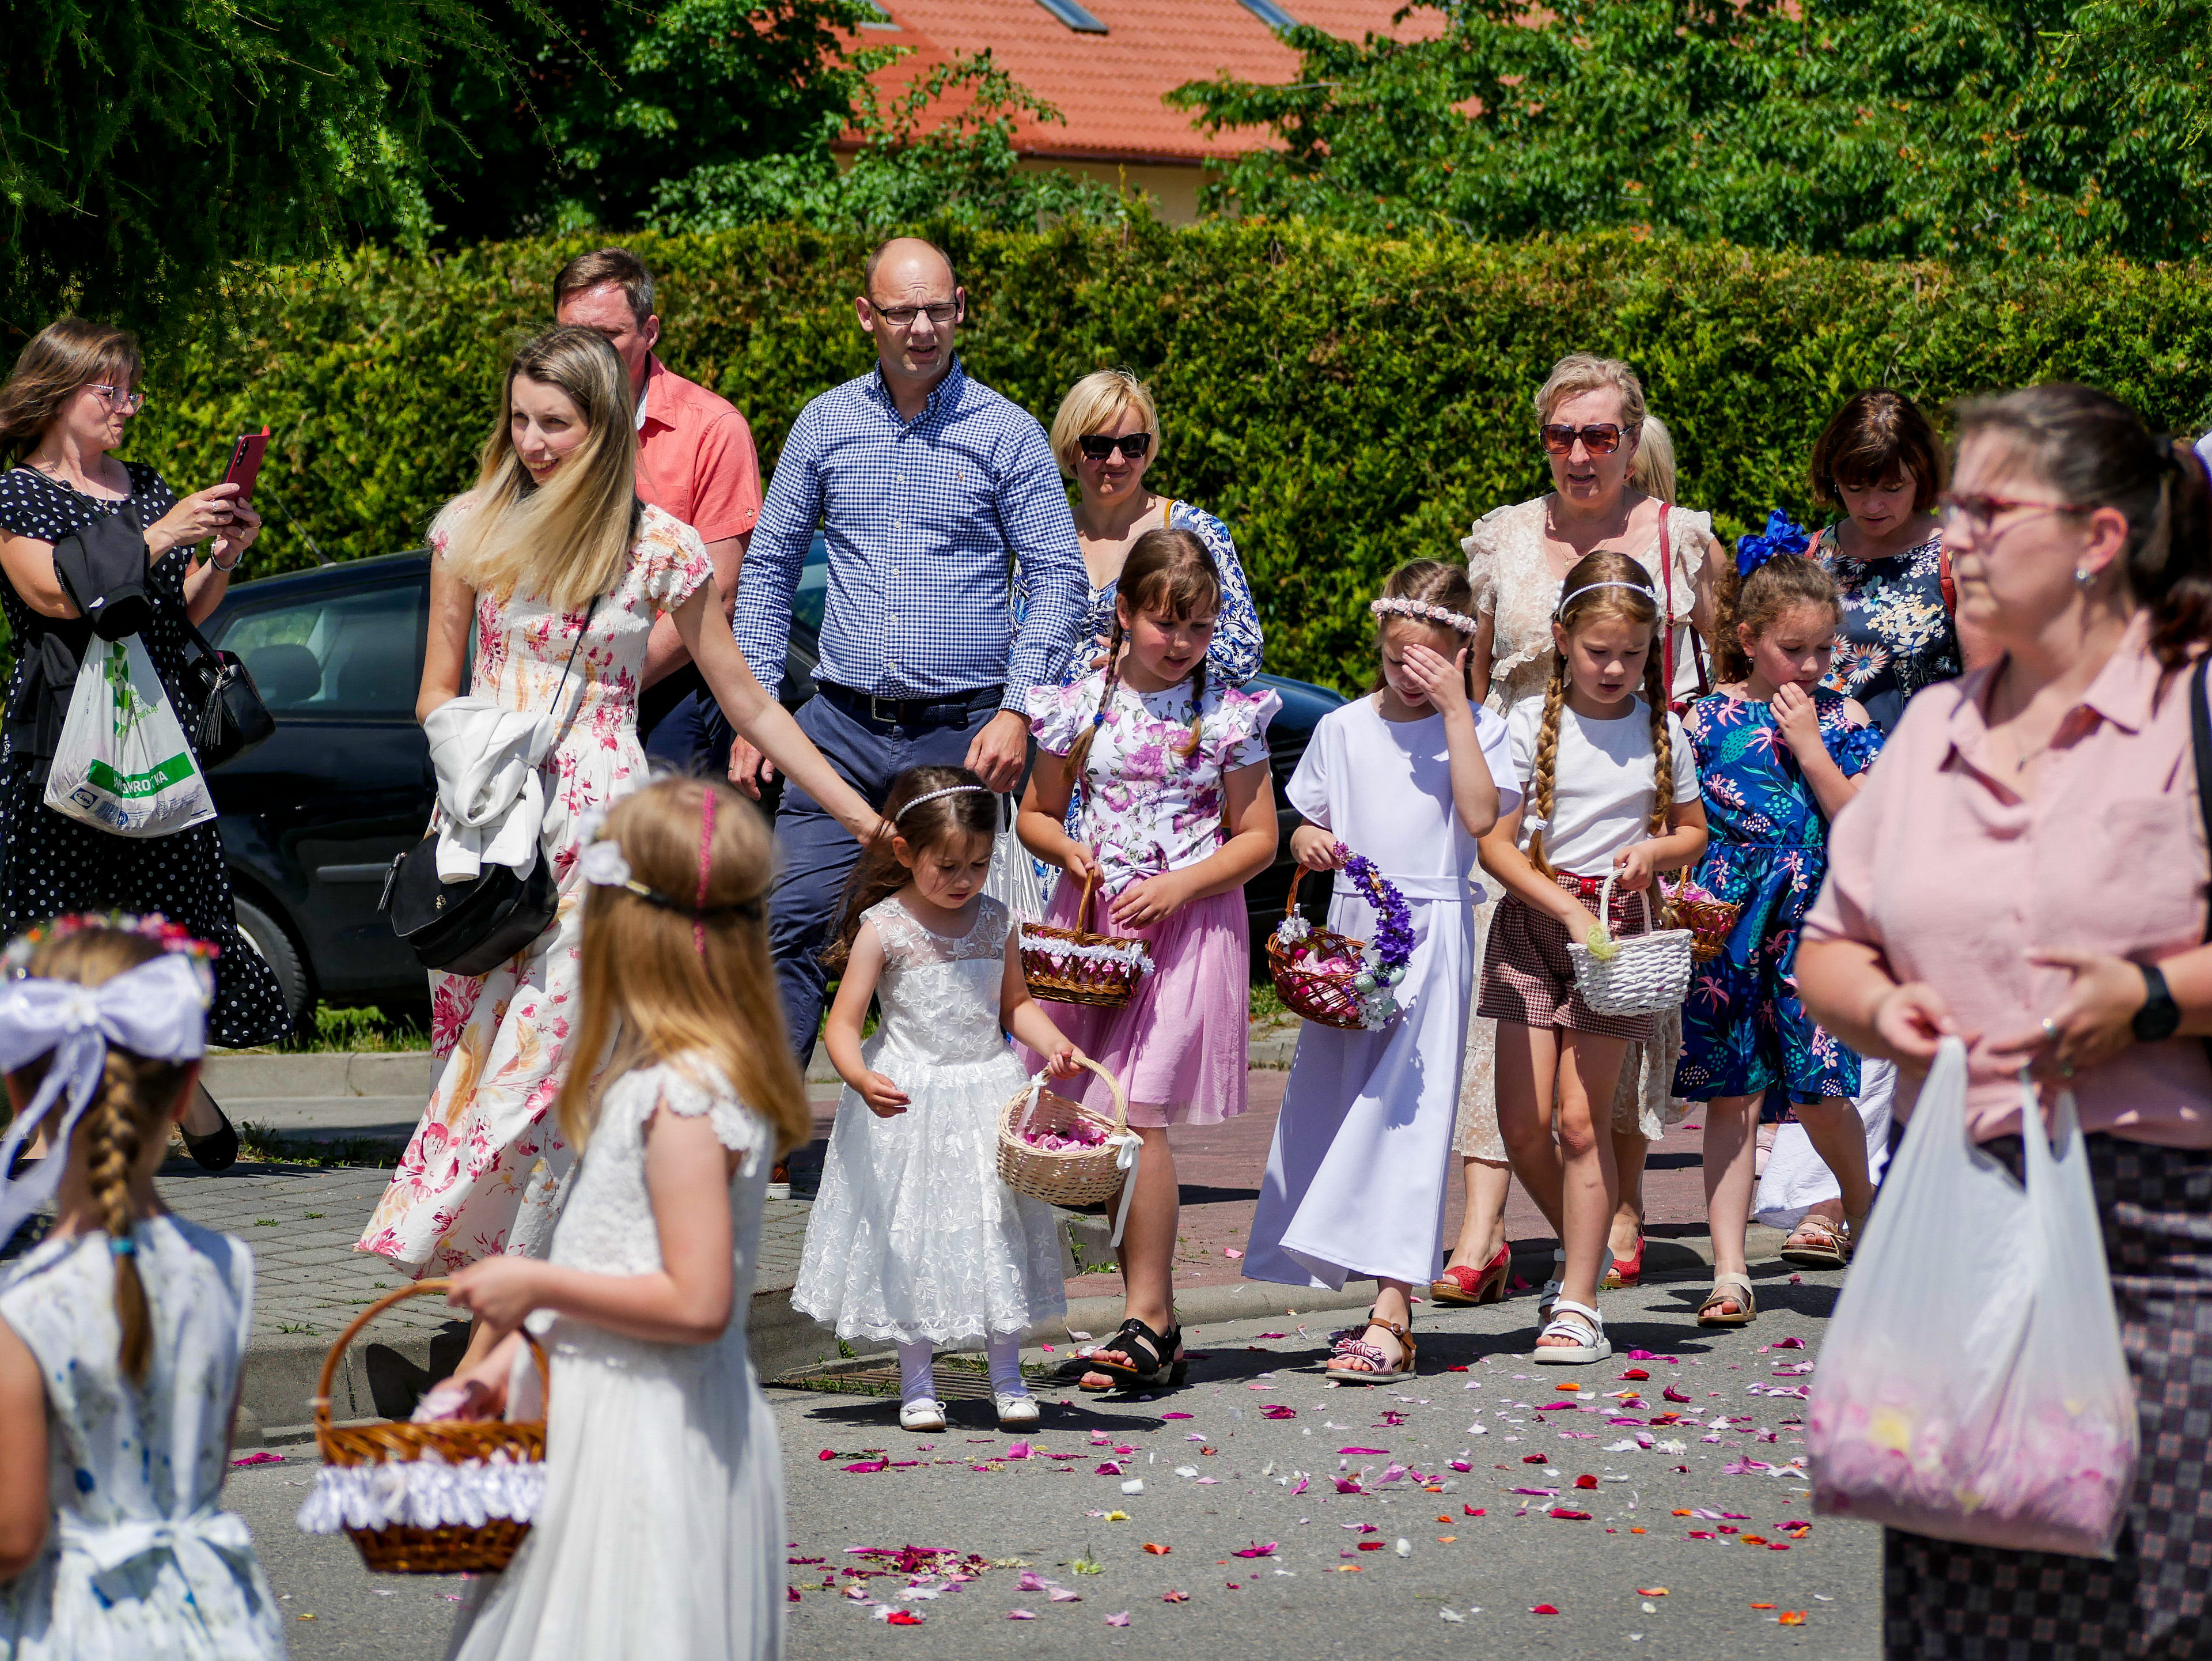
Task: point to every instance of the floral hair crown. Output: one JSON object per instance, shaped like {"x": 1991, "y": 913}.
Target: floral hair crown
{"x": 1427, "y": 612}
{"x": 16, "y": 959}
{"x": 605, "y": 866}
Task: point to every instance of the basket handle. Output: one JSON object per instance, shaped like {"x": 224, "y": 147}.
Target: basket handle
{"x": 1604, "y": 903}
{"x": 322, "y": 1402}
{"x": 1082, "y": 907}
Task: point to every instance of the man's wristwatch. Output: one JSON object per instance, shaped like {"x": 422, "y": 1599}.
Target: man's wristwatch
{"x": 2160, "y": 1017}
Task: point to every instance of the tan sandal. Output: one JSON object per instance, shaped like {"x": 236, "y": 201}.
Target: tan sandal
{"x": 1816, "y": 1243}
{"x": 1728, "y": 1289}
{"x": 1351, "y": 1345}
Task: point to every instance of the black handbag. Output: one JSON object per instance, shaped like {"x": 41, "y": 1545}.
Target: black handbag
{"x": 234, "y": 718}
{"x": 472, "y": 925}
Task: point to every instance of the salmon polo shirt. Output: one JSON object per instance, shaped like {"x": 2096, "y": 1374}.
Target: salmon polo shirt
{"x": 696, "y": 457}
{"x": 1953, "y": 877}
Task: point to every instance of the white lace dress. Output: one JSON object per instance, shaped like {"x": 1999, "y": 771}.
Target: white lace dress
{"x": 141, "y": 1562}
{"x": 661, "y": 1537}
{"x": 913, "y": 1236}
{"x": 1511, "y": 570}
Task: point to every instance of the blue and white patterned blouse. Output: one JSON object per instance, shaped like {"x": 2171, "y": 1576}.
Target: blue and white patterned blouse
{"x": 1234, "y": 656}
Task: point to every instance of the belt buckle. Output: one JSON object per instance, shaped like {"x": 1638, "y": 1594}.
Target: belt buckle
{"x": 875, "y": 709}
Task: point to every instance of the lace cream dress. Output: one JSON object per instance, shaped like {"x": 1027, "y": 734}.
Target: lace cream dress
{"x": 913, "y": 1236}
{"x": 661, "y": 1534}
{"x": 1513, "y": 582}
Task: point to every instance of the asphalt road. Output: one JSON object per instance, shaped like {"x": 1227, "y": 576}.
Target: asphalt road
{"x": 1053, "y": 1513}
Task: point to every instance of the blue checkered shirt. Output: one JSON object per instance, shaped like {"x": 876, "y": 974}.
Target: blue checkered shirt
{"x": 923, "y": 519}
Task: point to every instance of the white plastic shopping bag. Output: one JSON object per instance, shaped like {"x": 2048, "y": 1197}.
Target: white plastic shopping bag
{"x": 1972, "y": 1386}
{"x": 123, "y": 763}
{"x": 1013, "y": 880}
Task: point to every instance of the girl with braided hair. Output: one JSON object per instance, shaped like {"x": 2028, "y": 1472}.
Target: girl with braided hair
{"x": 1169, "y": 770}
{"x": 123, "y": 1332}
{"x": 1611, "y": 790}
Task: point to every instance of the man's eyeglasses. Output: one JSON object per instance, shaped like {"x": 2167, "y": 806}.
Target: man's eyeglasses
{"x": 1097, "y": 447}
{"x": 1600, "y": 439}
{"x": 903, "y": 317}
{"x": 1971, "y": 513}
{"x": 119, "y": 398}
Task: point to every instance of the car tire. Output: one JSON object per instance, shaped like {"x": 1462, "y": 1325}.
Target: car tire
{"x": 268, "y": 937}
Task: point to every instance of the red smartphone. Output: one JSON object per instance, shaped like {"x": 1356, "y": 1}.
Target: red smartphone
{"x": 246, "y": 463}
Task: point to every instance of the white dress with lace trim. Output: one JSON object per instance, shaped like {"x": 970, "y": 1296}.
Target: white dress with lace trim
{"x": 913, "y": 1236}
{"x": 661, "y": 1529}
{"x": 1510, "y": 568}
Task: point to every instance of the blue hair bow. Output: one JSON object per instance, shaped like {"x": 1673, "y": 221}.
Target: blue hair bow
{"x": 1780, "y": 537}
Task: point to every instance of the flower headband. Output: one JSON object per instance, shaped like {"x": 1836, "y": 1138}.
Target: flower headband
{"x": 1427, "y": 612}
{"x": 931, "y": 795}
{"x": 16, "y": 959}
{"x": 605, "y": 865}
{"x": 1592, "y": 588}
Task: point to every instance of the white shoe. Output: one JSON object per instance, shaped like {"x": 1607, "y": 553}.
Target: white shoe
{"x": 1592, "y": 1344}
{"x": 1016, "y": 1412}
{"x": 779, "y": 1190}
{"x": 923, "y": 1413}
{"x": 1550, "y": 1295}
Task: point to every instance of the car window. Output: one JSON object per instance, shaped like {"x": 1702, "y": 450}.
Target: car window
{"x": 356, "y": 651}
{"x": 813, "y": 584}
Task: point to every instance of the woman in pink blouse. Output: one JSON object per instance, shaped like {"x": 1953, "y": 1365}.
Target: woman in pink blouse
{"x": 2026, "y": 868}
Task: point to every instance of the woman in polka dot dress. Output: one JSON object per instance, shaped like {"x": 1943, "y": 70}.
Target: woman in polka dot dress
{"x": 67, "y": 403}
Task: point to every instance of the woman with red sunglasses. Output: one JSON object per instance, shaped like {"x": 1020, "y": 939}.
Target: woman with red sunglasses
{"x": 1591, "y": 418}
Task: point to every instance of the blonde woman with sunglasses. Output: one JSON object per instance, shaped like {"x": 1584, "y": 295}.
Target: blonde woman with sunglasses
{"x": 1589, "y": 422}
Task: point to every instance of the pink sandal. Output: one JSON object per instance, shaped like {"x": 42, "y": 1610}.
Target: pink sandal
{"x": 1352, "y": 1345}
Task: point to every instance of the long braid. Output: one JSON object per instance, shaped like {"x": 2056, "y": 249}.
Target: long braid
{"x": 1662, "y": 760}
{"x": 113, "y": 1148}
{"x": 1079, "y": 751}
{"x": 1197, "y": 710}
{"x": 1548, "y": 756}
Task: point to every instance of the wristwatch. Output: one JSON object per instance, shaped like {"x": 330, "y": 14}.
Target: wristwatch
{"x": 2160, "y": 1017}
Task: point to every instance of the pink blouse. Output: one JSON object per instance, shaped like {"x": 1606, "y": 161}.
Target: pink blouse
{"x": 1953, "y": 877}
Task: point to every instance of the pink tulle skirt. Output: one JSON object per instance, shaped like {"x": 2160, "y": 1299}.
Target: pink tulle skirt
{"x": 1178, "y": 1046}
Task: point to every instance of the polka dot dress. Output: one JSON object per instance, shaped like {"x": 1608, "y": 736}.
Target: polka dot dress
{"x": 50, "y": 865}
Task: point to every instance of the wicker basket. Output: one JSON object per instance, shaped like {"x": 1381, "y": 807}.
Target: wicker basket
{"x": 1067, "y": 1176}
{"x": 1647, "y": 973}
{"x": 400, "y": 1548}
{"x": 1710, "y": 922}
{"x": 1102, "y": 972}
{"x": 1321, "y": 995}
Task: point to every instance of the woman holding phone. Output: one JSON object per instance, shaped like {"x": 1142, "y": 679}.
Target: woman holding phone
{"x": 563, "y": 572}
{"x": 65, "y": 406}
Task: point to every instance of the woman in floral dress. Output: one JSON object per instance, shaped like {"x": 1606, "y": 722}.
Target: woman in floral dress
{"x": 551, "y": 543}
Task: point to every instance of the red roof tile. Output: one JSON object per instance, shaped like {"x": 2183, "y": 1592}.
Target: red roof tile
{"x": 1109, "y": 86}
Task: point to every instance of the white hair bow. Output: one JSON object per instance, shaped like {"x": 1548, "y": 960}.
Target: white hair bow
{"x": 158, "y": 1010}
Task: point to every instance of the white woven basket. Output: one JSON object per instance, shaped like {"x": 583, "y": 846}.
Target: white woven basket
{"x": 1648, "y": 972}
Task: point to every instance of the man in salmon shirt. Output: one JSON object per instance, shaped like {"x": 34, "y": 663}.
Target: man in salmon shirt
{"x": 695, "y": 460}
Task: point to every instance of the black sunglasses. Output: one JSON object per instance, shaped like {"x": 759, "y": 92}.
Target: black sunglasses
{"x": 1097, "y": 447}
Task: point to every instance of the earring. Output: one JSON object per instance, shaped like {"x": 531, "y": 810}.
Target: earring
{"x": 2082, "y": 577}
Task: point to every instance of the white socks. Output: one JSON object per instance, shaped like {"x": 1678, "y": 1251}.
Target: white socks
{"x": 916, "y": 1382}
{"x": 1006, "y": 1368}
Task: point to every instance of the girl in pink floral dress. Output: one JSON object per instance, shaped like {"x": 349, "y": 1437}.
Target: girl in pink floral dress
{"x": 553, "y": 535}
{"x": 1177, "y": 814}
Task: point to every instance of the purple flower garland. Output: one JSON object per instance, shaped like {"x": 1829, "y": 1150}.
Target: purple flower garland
{"x": 1386, "y": 955}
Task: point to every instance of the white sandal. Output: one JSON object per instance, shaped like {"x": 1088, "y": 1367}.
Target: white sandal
{"x": 1016, "y": 1410}
{"x": 1550, "y": 1295}
{"x": 923, "y": 1413}
{"x": 1594, "y": 1345}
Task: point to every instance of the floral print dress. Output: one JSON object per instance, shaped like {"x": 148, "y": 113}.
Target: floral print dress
{"x": 487, "y": 1168}
{"x": 1897, "y": 635}
{"x": 1744, "y": 1028}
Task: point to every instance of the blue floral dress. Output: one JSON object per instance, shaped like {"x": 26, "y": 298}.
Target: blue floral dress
{"x": 1897, "y": 635}
{"x": 1744, "y": 1029}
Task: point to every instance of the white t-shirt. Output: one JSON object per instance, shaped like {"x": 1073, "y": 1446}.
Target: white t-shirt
{"x": 1600, "y": 782}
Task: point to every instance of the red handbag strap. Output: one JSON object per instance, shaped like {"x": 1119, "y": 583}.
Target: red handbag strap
{"x": 1667, "y": 621}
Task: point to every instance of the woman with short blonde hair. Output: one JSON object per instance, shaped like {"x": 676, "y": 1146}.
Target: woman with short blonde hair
{"x": 563, "y": 571}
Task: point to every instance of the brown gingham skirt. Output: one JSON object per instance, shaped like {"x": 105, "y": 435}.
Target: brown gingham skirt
{"x": 1528, "y": 977}
{"x": 1943, "y": 1602}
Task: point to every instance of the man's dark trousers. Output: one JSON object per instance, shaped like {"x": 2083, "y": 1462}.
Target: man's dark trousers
{"x": 815, "y": 854}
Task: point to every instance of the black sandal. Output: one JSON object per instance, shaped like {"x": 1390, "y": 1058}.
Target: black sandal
{"x": 1135, "y": 1338}
{"x": 218, "y": 1149}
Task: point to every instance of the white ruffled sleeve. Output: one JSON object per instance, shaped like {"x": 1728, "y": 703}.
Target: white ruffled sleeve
{"x": 1058, "y": 715}
{"x": 736, "y": 1127}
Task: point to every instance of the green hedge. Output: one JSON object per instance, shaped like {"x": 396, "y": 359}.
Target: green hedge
{"x": 1343, "y": 403}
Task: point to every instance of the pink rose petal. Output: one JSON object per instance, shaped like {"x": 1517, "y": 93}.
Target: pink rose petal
{"x": 1120, "y": 1620}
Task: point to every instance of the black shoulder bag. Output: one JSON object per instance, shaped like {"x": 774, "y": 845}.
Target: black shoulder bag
{"x": 471, "y": 927}
{"x": 234, "y": 718}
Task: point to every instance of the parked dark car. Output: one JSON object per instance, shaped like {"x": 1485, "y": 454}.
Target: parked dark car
{"x": 311, "y": 819}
